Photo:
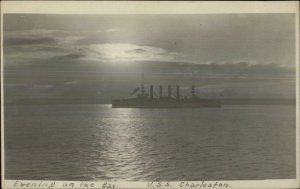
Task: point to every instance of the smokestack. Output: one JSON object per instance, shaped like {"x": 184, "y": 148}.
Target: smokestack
{"x": 151, "y": 91}
{"x": 177, "y": 92}
{"x": 143, "y": 90}
{"x": 160, "y": 91}
{"x": 193, "y": 91}
{"x": 169, "y": 91}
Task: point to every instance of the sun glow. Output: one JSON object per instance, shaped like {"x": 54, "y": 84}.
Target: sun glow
{"x": 130, "y": 52}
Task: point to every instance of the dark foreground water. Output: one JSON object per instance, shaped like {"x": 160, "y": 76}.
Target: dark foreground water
{"x": 96, "y": 142}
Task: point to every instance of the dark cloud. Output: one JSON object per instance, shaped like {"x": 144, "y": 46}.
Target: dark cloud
{"x": 137, "y": 51}
{"x": 28, "y": 41}
{"x": 69, "y": 57}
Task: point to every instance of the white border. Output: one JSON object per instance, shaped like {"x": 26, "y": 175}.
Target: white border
{"x": 148, "y": 7}
{"x": 162, "y": 7}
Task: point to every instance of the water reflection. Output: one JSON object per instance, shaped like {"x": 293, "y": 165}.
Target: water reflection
{"x": 120, "y": 144}
{"x": 97, "y": 142}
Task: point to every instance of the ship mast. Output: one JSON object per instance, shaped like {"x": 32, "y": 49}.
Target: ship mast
{"x": 142, "y": 86}
{"x": 193, "y": 86}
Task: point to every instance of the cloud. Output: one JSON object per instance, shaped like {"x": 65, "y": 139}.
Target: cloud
{"x": 71, "y": 82}
{"x": 112, "y": 30}
{"x": 43, "y": 44}
{"x": 40, "y": 44}
{"x": 69, "y": 57}
{"x": 29, "y": 41}
{"x": 125, "y": 52}
{"x": 136, "y": 51}
{"x": 42, "y": 87}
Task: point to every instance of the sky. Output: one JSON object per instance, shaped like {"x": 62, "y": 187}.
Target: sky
{"x": 59, "y": 55}
{"x": 200, "y": 39}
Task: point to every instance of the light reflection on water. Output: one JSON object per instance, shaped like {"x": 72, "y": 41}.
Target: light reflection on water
{"x": 122, "y": 151}
{"x": 96, "y": 142}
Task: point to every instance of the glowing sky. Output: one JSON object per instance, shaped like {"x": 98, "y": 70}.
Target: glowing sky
{"x": 202, "y": 39}
{"x": 102, "y": 56}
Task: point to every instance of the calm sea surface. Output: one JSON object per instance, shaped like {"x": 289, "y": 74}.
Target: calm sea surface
{"x": 96, "y": 142}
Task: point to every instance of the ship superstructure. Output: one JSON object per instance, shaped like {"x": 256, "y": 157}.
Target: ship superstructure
{"x": 145, "y": 100}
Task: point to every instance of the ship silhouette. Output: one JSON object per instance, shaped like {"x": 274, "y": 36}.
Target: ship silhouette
{"x": 145, "y": 100}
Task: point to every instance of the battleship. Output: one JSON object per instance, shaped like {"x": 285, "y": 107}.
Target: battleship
{"x": 145, "y": 100}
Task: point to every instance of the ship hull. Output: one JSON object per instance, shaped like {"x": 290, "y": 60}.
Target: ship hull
{"x": 157, "y": 103}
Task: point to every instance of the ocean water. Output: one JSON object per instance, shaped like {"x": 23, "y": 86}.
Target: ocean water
{"x": 96, "y": 142}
